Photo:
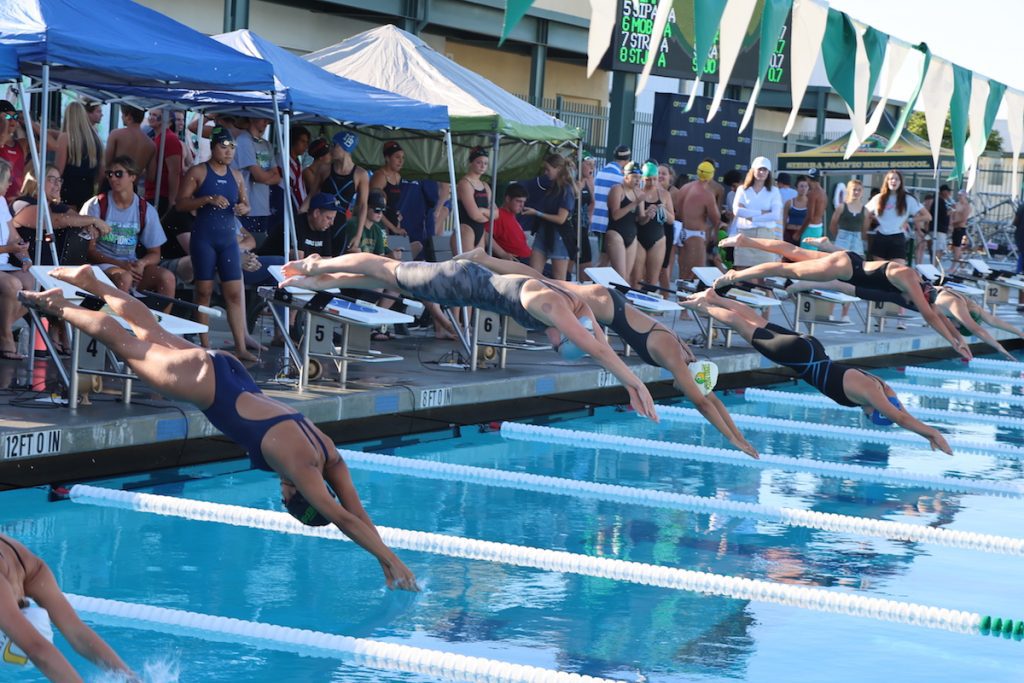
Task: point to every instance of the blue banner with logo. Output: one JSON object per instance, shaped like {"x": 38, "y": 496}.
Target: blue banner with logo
{"x": 683, "y": 140}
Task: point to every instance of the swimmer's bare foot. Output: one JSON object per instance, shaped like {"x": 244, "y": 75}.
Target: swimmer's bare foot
{"x": 51, "y": 301}
{"x": 82, "y": 277}
{"x": 733, "y": 241}
{"x": 818, "y": 242}
{"x": 242, "y": 355}
{"x": 251, "y": 343}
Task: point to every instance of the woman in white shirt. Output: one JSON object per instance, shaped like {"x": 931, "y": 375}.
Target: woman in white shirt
{"x": 893, "y": 208}
{"x": 12, "y": 280}
{"x": 758, "y": 209}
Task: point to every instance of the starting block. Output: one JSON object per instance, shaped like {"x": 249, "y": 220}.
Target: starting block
{"x": 650, "y": 303}
{"x": 707, "y": 275}
{"x": 816, "y": 305}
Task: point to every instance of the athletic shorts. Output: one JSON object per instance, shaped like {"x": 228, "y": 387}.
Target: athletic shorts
{"x": 889, "y": 247}
{"x": 959, "y": 234}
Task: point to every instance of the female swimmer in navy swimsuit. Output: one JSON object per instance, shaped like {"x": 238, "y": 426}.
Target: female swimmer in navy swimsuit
{"x": 278, "y": 438}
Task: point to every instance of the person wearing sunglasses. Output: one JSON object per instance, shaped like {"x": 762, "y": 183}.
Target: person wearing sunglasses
{"x": 216, "y": 192}
{"x": 13, "y": 147}
{"x": 134, "y": 222}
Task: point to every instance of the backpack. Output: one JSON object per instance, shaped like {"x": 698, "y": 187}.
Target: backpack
{"x": 104, "y": 204}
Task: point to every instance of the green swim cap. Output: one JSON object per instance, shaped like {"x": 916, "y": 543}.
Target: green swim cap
{"x": 650, "y": 170}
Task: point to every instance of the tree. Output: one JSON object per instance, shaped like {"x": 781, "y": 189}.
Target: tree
{"x": 916, "y": 125}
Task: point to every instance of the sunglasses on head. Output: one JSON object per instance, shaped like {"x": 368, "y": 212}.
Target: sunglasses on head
{"x": 227, "y": 145}
{"x": 116, "y": 174}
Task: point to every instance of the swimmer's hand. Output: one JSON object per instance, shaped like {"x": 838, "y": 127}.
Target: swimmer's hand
{"x": 315, "y": 283}
{"x": 399, "y": 576}
{"x": 964, "y": 349}
{"x": 747, "y": 448}
{"x": 938, "y": 442}
{"x": 725, "y": 282}
{"x": 306, "y": 266}
{"x": 642, "y": 402}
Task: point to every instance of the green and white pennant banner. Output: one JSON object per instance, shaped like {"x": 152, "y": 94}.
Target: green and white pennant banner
{"x": 858, "y": 61}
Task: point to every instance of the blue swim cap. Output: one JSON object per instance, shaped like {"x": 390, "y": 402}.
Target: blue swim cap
{"x": 299, "y": 508}
{"x": 880, "y": 419}
{"x": 567, "y": 349}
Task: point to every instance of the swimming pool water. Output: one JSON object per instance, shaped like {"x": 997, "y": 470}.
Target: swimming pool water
{"x": 565, "y": 621}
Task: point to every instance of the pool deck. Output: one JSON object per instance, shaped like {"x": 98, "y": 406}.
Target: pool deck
{"x": 389, "y": 400}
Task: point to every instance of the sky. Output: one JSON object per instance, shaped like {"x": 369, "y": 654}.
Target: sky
{"x": 982, "y": 35}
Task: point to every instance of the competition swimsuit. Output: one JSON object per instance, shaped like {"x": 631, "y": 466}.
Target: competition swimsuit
{"x": 482, "y": 201}
{"x": 214, "y": 242}
{"x": 627, "y": 333}
{"x": 231, "y": 381}
{"x": 806, "y": 356}
{"x": 625, "y": 226}
{"x": 22, "y": 602}
{"x": 874, "y": 280}
{"x": 393, "y": 192}
{"x": 465, "y": 283}
{"x": 649, "y": 233}
{"x": 343, "y": 187}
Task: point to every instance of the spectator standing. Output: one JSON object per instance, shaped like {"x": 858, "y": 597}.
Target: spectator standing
{"x": 133, "y": 222}
{"x": 758, "y": 210}
{"x": 651, "y": 235}
{"x": 254, "y": 158}
{"x": 475, "y": 203}
{"x": 217, "y": 194}
{"x": 814, "y": 219}
{"x": 667, "y": 179}
{"x": 697, "y": 209}
{"x": 608, "y": 177}
{"x": 298, "y": 138}
{"x": 78, "y": 156}
{"x": 585, "y": 189}
{"x": 132, "y": 142}
{"x": 625, "y": 203}
{"x": 13, "y": 147}
{"x": 893, "y": 208}
{"x": 553, "y": 203}
{"x": 349, "y": 184}
{"x": 11, "y": 281}
{"x": 794, "y": 210}
{"x": 943, "y": 207}
{"x": 958, "y": 222}
{"x": 388, "y": 179}
{"x": 849, "y": 226}
{"x": 423, "y": 209}
{"x": 785, "y": 184}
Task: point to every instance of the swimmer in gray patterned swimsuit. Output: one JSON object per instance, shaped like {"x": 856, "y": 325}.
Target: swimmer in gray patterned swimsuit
{"x": 532, "y": 302}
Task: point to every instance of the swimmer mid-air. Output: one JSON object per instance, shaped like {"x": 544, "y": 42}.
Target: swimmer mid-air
{"x": 847, "y": 266}
{"x": 653, "y": 342}
{"x": 533, "y": 303}
{"x": 844, "y": 384}
{"x": 23, "y": 575}
{"x": 277, "y": 438}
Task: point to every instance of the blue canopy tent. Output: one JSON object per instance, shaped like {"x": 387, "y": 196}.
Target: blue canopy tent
{"x": 8, "y": 63}
{"x": 115, "y": 43}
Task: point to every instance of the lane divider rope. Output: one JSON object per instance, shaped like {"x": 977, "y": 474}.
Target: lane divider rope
{"x": 371, "y": 653}
{"x": 430, "y": 469}
{"x": 883, "y": 436}
{"x": 916, "y": 371}
{"x": 818, "y": 401}
{"x": 629, "y": 444}
{"x": 996, "y": 364}
{"x": 943, "y": 392}
{"x": 818, "y": 599}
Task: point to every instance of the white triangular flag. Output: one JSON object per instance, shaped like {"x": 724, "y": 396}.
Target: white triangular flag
{"x": 895, "y": 57}
{"x": 1015, "y": 122}
{"x": 809, "y": 19}
{"x": 730, "y": 39}
{"x": 657, "y": 37}
{"x": 602, "y": 25}
{"x": 977, "y": 138}
{"x": 935, "y": 97}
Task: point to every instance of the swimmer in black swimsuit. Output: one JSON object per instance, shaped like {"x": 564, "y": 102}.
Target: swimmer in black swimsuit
{"x": 847, "y": 266}
{"x": 532, "y": 302}
{"x": 656, "y": 345}
{"x": 802, "y": 353}
{"x": 277, "y": 437}
{"x": 23, "y": 575}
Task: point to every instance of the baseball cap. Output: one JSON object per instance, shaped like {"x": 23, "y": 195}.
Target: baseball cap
{"x": 784, "y": 178}
{"x": 318, "y": 148}
{"x": 323, "y": 201}
{"x": 705, "y": 171}
{"x": 623, "y": 153}
{"x": 761, "y": 162}
{"x": 6, "y": 106}
{"x": 377, "y": 200}
{"x": 347, "y": 140}
{"x": 390, "y": 147}
{"x": 650, "y": 170}
{"x": 221, "y": 136}
{"x": 813, "y": 173}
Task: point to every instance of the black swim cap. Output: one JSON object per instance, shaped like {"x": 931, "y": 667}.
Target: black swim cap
{"x": 299, "y": 508}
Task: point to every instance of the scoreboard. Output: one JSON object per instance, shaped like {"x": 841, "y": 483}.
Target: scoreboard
{"x": 632, "y": 37}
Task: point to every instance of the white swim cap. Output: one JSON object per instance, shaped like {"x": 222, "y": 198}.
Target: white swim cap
{"x": 705, "y": 374}
{"x": 567, "y": 349}
{"x": 38, "y": 617}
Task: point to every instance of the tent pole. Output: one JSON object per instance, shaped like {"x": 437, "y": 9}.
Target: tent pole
{"x": 494, "y": 194}
{"x": 42, "y": 216}
{"x": 451, "y": 191}
{"x": 935, "y": 213}
{"x": 34, "y": 153}
{"x": 579, "y": 210}
{"x": 281, "y": 126}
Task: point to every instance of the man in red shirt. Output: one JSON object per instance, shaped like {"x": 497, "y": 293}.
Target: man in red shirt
{"x": 509, "y": 238}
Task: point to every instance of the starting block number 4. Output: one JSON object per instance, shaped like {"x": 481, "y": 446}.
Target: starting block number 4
{"x": 92, "y": 355}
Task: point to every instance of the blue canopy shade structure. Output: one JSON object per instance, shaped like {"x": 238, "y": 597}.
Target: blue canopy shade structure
{"x": 8, "y": 63}
{"x": 118, "y": 42}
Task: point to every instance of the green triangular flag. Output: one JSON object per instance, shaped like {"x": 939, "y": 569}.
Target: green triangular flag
{"x": 995, "y": 98}
{"x": 958, "y": 107}
{"x": 772, "y": 21}
{"x": 839, "y": 51}
{"x": 515, "y": 10}
{"x": 707, "y": 15}
{"x": 875, "y": 44}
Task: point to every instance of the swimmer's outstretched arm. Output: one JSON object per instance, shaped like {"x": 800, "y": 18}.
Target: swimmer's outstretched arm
{"x": 498, "y": 265}
{"x": 712, "y": 409}
{"x": 997, "y": 322}
{"x": 960, "y": 309}
{"x": 912, "y": 290}
{"x": 861, "y": 388}
{"x": 42, "y": 587}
